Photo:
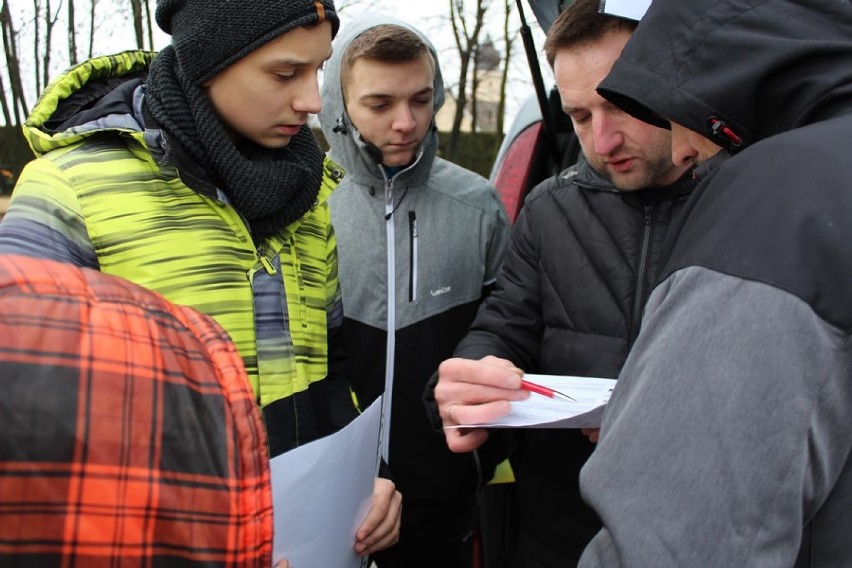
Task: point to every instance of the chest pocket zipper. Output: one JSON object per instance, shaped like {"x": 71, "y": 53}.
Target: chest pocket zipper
{"x": 412, "y": 247}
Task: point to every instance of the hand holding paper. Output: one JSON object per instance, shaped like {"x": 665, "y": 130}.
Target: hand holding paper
{"x": 471, "y": 392}
{"x": 380, "y": 528}
{"x": 589, "y": 395}
{"x": 322, "y": 492}
{"x": 475, "y": 395}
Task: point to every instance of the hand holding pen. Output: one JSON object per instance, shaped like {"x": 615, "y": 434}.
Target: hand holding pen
{"x": 545, "y": 391}
{"x": 475, "y": 392}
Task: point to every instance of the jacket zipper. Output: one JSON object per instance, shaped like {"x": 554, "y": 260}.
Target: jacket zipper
{"x": 390, "y": 341}
{"x": 412, "y": 256}
{"x": 639, "y": 290}
{"x": 267, "y": 264}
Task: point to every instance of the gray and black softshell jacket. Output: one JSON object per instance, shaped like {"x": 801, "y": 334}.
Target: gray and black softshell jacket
{"x": 727, "y": 440}
{"x": 418, "y": 251}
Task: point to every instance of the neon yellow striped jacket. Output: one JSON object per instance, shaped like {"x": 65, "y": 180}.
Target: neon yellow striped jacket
{"x": 103, "y": 194}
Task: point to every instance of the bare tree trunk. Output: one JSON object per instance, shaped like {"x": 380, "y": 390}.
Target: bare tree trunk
{"x": 36, "y": 42}
{"x": 45, "y": 56}
{"x": 474, "y": 92}
{"x": 136, "y": 6}
{"x": 466, "y": 42}
{"x": 49, "y": 23}
{"x": 508, "y": 41}
{"x": 149, "y": 25}
{"x": 16, "y": 86}
{"x": 7, "y": 117}
{"x": 72, "y": 34}
{"x": 92, "y": 28}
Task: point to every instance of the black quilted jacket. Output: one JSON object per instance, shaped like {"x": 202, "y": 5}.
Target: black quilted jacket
{"x": 582, "y": 261}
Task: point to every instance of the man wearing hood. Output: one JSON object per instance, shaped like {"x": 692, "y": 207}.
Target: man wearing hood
{"x": 193, "y": 173}
{"x": 727, "y": 441}
{"x": 420, "y": 243}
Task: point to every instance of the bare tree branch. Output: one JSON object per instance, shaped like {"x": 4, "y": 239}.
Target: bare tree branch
{"x": 149, "y": 25}
{"x": 4, "y": 103}
{"x": 136, "y": 7}
{"x": 49, "y": 23}
{"x": 72, "y": 34}
{"x": 466, "y": 43}
{"x": 92, "y": 6}
{"x": 36, "y": 42}
{"x": 18, "y": 103}
{"x": 508, "y": 41}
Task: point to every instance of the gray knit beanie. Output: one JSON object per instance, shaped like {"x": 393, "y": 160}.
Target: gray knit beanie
{"x": 210, "y": 35}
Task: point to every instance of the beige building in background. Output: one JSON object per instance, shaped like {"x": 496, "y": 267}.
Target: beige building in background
{"x": 489, "y": 75}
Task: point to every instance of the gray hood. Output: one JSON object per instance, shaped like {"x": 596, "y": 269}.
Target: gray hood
{"x": 346, "y": 147}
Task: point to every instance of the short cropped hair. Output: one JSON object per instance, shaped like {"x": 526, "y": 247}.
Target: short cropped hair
{"x": 384, "y": 43}
{"x": 581, "y": 24}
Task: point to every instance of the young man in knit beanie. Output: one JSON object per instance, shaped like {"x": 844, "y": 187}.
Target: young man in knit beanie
{"x": 193, "y": 173}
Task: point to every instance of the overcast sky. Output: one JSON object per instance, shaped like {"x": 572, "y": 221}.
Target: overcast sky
{"x": 115, "y": 33}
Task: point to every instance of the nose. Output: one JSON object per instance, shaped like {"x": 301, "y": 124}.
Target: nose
{"x": 684, "y": 152}
{"x": 403, "y": 119}
{"x": 607, "y": 135}
{"x": 308, "y": 98}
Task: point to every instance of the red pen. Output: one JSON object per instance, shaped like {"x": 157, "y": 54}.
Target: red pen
{"x": 545, "y": 391}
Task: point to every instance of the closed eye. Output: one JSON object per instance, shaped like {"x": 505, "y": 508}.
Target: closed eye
{"x": 581, "y": 119}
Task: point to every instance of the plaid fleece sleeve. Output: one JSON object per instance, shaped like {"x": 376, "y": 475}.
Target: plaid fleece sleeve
{"x": 130, "y": 436}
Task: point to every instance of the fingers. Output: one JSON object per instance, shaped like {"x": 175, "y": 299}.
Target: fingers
{"x": 475, "y": 392}
{"x": 456, "y": 414}
{"x": 504, "y": 363}
{"x": 462, "y": 440}
{"x": 487, "y": 372}
{"x": 592, "y": 433}
{"x": 380, "y": 528}
{"x": 282, "y": 564}
{"x": 466, "y": 382}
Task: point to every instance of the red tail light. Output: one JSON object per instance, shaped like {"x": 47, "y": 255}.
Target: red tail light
{"x": 514, "y": 170}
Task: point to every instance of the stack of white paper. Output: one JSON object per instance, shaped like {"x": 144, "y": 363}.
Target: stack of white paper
{"x": 590, "y": 393}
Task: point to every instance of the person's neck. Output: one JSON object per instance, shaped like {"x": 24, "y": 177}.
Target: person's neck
{"x": 391, "y": 171}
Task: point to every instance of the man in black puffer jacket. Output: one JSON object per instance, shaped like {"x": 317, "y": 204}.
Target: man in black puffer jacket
{"x": 584, "y": 254}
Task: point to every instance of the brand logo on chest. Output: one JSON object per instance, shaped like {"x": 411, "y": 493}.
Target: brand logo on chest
{"x": 439, "y": 291}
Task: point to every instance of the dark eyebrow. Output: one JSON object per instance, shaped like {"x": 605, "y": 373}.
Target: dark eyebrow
{"x": 368, "y": 96}
{"x": 296, "y": 61}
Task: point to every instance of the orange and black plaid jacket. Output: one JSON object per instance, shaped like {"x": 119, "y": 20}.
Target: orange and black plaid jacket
{"x": 129, "y": 435}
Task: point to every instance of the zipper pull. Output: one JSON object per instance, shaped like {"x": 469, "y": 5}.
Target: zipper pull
{"x": 267, "y": 265}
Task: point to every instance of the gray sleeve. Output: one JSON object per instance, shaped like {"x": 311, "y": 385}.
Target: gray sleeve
{"x": 497, "y": 239}
{"x": 728, "y": 432}
{"x": 44, "y": 219}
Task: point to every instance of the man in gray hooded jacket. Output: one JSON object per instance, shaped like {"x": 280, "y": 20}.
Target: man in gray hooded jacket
{"x": 727, "y": 441}
{"x": 420, "y": 243}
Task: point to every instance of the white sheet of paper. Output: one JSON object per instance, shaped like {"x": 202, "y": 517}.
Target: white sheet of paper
{"x": 539, "y": 411}
{"x": 632, "y": 9}
{"x": 321, "y": 493}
